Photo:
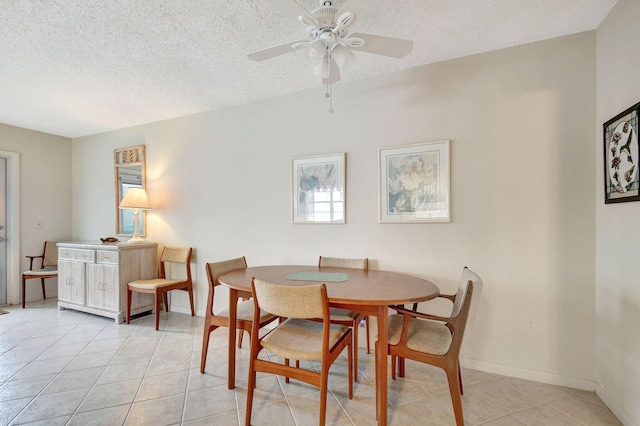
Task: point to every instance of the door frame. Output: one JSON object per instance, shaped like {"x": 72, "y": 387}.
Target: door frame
{"x": 13, "y": 226}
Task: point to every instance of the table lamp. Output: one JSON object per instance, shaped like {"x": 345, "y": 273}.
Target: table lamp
{"x": 136, "y": 199}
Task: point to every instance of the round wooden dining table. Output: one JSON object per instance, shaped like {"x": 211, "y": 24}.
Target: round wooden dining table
{"x": 367, "y": 291}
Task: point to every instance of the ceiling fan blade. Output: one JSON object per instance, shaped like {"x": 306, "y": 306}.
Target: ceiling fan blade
{"x": 272, "y": 52}
{"x": 386, "y": 46}
{"x": 290, "y": 8}
{"x": 359, "y": 7}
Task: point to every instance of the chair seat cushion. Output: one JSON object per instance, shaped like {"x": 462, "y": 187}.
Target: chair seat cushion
{"x": 245, "y": 312}
{"x": 151, "y": 284}
{"x": 339, "y": 314}
{"x": 423, "y": 336}
{"x": 301, "y": 339}
{"x": 47, "y": 270}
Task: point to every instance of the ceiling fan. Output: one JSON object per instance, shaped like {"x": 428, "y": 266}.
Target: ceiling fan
{"x": 328, "y": 45}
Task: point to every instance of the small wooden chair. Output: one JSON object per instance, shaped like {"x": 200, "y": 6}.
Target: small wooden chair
{"x": 244, "y": 313}
{"x": 436, "y": 340}
{"x": 48, "y": 268}
{"x": 161, "y": 286}
{"x": 297, "y": 337}
{"x": 346, "y": 316}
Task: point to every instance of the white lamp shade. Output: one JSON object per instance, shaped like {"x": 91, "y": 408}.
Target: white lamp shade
{"x": 344, "y": 57}
{"x": 314, "y": 53}
{"x": 135, "y": 198}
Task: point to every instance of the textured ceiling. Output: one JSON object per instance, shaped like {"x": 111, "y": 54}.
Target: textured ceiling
{"x": 80, "y": 67}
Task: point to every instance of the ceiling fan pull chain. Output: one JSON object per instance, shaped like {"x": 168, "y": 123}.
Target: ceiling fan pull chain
{"x": 329, "y": 86}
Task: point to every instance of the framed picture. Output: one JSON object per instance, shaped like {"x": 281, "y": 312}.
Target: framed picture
{"x": 414, "y": 183}
{"x": 621, "y": 178}
{"x": 318, "y": 189}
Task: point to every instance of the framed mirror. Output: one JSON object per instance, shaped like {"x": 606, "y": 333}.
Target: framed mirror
{"x": 130, "y": 172}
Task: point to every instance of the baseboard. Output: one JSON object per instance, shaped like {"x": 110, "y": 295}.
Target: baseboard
{"x": 615, "y": 408}
{"x": 536, "y": 376}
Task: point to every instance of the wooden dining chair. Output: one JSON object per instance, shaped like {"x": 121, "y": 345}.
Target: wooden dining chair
{"x": 244, "y": 310}
{"x": 48, "y": 268}
{"x": 346, "y": 316}
{"x": 176, "y": 260}
{"x": 436, "y": 340}
{"x": 297, "y": 337}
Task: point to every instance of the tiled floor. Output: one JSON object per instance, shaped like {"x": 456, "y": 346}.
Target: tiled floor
{"x": 70, "y": 368}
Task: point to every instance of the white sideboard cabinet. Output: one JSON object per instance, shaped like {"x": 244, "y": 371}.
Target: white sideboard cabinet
{"x": 93, "y": 277}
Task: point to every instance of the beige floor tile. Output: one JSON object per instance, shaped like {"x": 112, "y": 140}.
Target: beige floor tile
{"x": 306, "y": 409}
{"x": 22, "y": 388}
{"x": 209, "y": 402}
{"x": 52, "y": 405}
{"x": 10, "y": 411}
{"x": 275, "y": 413}
{"x": 110, "y": 395}
{"x": 163, "y": 385}
{"x": 545, "y": 415}
{"x": 158, "y": 412}
{"x": 585, "y": 411}
{"x": 118, "y": 373}
{"x": 74, "y": 379}
{"x": 102, "y": 417}
{"x": 230, "y": 418}
{"x": 81, "y": 362}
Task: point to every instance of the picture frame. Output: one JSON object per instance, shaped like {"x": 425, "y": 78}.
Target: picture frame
{"x": 414, "y": 183}
{"x": 621, "y": 155}
{"x": 318, "y": 193}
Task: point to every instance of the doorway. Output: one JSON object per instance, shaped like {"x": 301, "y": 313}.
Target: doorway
{"x": 10, "y": 273}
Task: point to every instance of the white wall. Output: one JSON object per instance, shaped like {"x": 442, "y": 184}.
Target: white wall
{"x": 520, "y": 121}
{"x": 45, "y": 196}
{"x": 617, "y": 225}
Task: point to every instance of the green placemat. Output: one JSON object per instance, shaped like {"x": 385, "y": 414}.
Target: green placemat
{"x": 327, "y": 277}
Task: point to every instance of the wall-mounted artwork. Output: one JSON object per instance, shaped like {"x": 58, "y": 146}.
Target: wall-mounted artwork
{"x": 414, "y": 183}
{"x": 621, "y": 177}
{"x": 318, "y": 189}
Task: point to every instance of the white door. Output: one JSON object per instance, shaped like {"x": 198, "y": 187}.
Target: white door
{"x": 3, "y": 244}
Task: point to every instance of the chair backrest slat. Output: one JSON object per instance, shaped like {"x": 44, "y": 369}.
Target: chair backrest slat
{"x": 337, "y": 262}
{"x": 290, "y": 301}
{"x": 215, "y": 269}
{"x": 50, "y": 254}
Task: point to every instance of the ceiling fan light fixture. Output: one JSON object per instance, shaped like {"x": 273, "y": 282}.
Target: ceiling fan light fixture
{"x": 343, "y": 56}
{"x": 314, "y": 53}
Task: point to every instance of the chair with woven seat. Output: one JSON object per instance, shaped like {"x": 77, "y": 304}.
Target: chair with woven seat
{"x": 48, "y": 268}
{"x": 297, "y": 337}
{"x": 436, "y": 340}
{"x": 346, "y": 316}
{"x": 244, "y": 313}
{"x": 174, "y": 259}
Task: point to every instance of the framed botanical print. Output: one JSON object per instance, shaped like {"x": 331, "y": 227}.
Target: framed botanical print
{"x": 318, "y": 189}
{"x": 414, "y": 183}
{"x": 621, "y": 177}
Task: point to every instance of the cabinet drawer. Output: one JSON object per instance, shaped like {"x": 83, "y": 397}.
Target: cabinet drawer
{"x": 86, "y": 255}
{"x": 67, "y": 254}
{"x": 107, "y": 256}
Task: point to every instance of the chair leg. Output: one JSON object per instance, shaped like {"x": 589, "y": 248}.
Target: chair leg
{"x": 460, "y": 378}
{"x": 157, "y": 297}
{"x": 129, "y": 293}
{"x": 250, "y": 389}
{"x": 205, "y": 343}
{"x": 24, "y": 287}
{"x": 44, "y": 293}
{"x": 356, "y": 328}
{"x": 166, "y": 301}
{"x": 324, "y": 383}
{"x": 366, "y": 326}
{"x": 454, "y": 389}
{"x": 393, "y": 367}
{"x": 240, "y": 334}
{"x": 193, "y": 312}
{"x": 400, "y": 366}
{"x": 350, "y": 366}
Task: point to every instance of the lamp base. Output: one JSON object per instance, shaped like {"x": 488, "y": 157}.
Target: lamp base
{"x": 134, "y": 240}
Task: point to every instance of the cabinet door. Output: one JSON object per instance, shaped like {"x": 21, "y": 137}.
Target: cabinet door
{"x": 102, "y": 286}
{"x": 71, "y": 281}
